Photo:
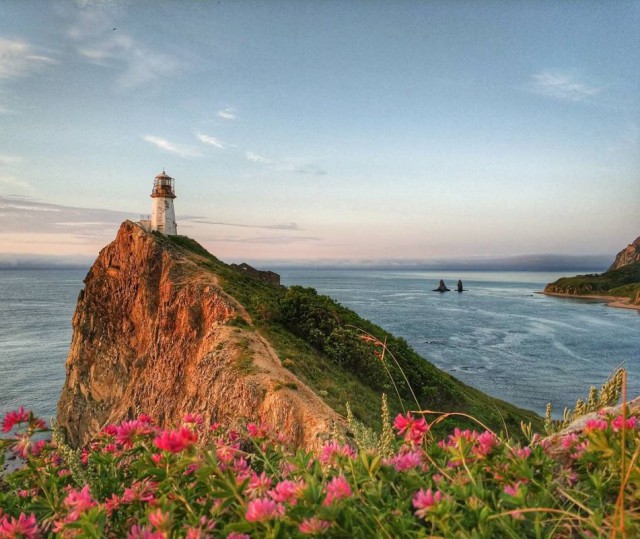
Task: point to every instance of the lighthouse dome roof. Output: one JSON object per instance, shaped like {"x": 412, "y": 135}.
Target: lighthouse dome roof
{"x": 163, "y": 175}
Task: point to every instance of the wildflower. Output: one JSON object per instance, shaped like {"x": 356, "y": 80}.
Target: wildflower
{"x": 175, "y": 441}
{"x": 314, "y": 526}
{"x": 522, "y": 453}
{"x": 263, "y": 510}
{"x": 486, "y": 442}
{"x": 236, "y": 535}
{"x": 193, "y": 419}
{"x": 77, "y": 502}
{"x": 160, "y": 520}
{"x": 23, "y": 527}
{"x": 13, "y": 418}
{"x": 333, "y": 450}
{"x": 412, "y": 429}
{"x": 128, "y": 431}
{"x": 406, "y": 461}
{"x": 140, "y": 491}
{"x": 337, "y": 489}
{"x": 257, "y": 431}
{"x": 142, "y": 532}
{"x": 112, "y": 503}
{"x": 595, "y": 424}
{"x": 287, "y": 491}
{"x": 512, "y": 490}
{"x": 424, "y": 500}
{"x": 617, "y": 423}
{"x": 258, "y": 484}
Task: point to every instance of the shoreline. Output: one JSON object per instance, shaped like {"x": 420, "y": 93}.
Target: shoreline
{"x": 611, "y": 301}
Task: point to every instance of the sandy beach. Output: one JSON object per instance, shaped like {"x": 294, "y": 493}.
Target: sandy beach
{"x": 611, "y": 301}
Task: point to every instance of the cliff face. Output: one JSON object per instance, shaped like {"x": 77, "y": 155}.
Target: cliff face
{"x": 154, "y": 333}
{"x": 628, "y": 255}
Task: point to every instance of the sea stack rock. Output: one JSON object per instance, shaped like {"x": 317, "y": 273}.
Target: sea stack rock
{"x": 154, "y": 333}
{"x": 628, "y": 255}
{"x": 460, "y": 287}
{"x": 441, "y": 287}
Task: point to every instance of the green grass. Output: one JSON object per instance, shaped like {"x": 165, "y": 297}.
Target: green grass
{"x": 316, "y": 339}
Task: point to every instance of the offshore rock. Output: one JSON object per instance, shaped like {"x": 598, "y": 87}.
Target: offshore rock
{"x": 628, "y": 255}
{"x": 154, "y": 333}
{"x": 441, "y": 287}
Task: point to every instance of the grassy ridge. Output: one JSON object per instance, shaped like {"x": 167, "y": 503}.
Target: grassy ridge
{"x": 321, "y": 342}
{"x": 623, "y": 282}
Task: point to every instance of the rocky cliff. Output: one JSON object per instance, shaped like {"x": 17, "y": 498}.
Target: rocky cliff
{"x": 154, "y": 333}
{"x": 628, "y": 255}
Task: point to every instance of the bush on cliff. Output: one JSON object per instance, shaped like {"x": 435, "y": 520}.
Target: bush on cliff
{"x": 138, "y": 481}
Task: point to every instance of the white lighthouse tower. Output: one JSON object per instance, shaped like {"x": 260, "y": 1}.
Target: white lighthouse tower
{"x": 163, "y": 217}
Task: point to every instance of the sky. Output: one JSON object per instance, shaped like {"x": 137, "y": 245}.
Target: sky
{"x": 323, "y": 131}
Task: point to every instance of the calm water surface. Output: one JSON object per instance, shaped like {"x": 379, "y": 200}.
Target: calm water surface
{"x": 498, "y": 336}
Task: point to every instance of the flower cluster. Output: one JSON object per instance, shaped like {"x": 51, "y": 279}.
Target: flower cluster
{"x": 137, "y": 480}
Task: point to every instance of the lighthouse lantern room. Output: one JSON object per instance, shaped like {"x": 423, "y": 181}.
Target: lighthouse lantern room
{"x": 163, "y": 217}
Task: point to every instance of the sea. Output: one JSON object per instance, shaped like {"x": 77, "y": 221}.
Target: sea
{"x": 499, "y": 335}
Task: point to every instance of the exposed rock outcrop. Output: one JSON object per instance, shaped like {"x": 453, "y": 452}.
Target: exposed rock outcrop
{"x": 154, "y": 333}
{"x": 628, "y": 255}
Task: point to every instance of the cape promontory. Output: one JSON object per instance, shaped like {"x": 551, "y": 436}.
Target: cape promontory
{"x": 152, "y": 333}
{"x": 164, "y": 328}
{"x": 619, "y": 285}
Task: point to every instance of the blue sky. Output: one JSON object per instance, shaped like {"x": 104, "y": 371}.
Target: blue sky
{"x": 323, "y": 130}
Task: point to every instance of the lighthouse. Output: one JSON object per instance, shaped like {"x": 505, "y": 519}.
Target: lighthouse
{"x": 163, "y": 217}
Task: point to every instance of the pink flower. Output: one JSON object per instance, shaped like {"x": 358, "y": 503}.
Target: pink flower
{"x": 175, "y": 441}
{"x": 287, "y": 491}
{"x": 595, "y": 424}
{"x": 412, "y": 429}
{"x": 257, "y": 431}
{"x": 160, "y": 519}
{"x": 24, "y": 527}
{"x": 236, "y": 535}
{"x": 193, "y": 419}
{"x": 127, "y": 432}
{"x": 263, "y": 510}
{"x": 314, "y": 526}
{"x": 512, "y": 490}
{"x": 406, "y": 461}
{"x": 486, "y": 442}
{"x": 258, "y": 484}
{"x": 337, "y": 489}
{"x": 142, "y": 532}
{"x": 522, "y": 453}
{"x": 332, "y": 451}
{"x": 77, "y": 502}
{"x": 424, "y": 500}
{"x": 617, "y": 423}
{"x": 13, "y": 418}
{"x": 140, "y": 491}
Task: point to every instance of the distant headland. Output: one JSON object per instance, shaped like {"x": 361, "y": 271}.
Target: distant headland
{"x": 619, "y": 286}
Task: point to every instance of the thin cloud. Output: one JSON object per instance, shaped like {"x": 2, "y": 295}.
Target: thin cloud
{"x": 100, "y": 42}
{"x": 269, "y": 240}
{"x": 9, "y": 160}
{"x": 257, "y": 158}
{"x": 25, "y": 215}
{"x": 563, "y": 87}
{"x": 228, "y": 113}
{"x": 12, "y": 181}
{"x": 19, "y": 59}
{"x": 163, "y": 144}
{"x": 213, "y": 141}
{"x": 280, "y": 226}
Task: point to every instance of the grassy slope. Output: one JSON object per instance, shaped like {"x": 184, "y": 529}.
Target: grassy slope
{"x": 623, "y": 282}
{"x": 338, "y": 383}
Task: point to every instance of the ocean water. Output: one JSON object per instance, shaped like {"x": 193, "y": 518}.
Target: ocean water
{"x": 499, "y": 335}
